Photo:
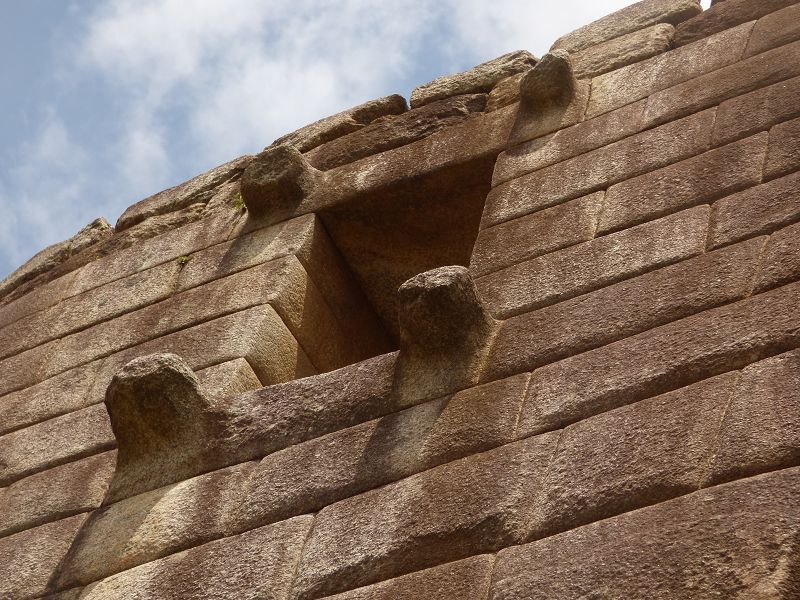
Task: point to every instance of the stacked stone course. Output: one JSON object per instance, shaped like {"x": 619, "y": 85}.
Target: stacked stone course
{"x": 535, "y": 336}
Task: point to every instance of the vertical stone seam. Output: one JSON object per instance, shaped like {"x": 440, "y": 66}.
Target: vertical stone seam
{"x": 707, "y": 236}
{"x": 588, "y": 101}
{"x": 538, "y": 500}
{"x": 290, "y": 590}
{"x": 600, "y": 213}
{"x": 743, "y": 54}
{"x": 766, "y": 153}
{"x": 714, "y": 449}
{"x": 517, "y": 418}
{"x": 758, "y": 267}
{"x": 488, "y": 593}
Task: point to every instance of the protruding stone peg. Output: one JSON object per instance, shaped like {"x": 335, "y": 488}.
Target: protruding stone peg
{"x": 276, "y": 181}
{"x": 445, "y": 333}
{"x": 167, "y": 430}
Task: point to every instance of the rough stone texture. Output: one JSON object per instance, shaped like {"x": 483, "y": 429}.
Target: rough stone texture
{"x": 39, "y": 298}
{"x": 54, "y": 442}
{"x": 639, "y": 80}
{"x": 25, "y": 369}
{"x": 584, "y": 267}
{"x": 783, "y": 155}
{"x": 736, "y": 540}
{"x": 761, "y": 428}
{"x": 631, "y": 457}
{"x": 393, "y": 133}
{"x": 257, "y": 564}
{"x": 57, "y": 493}
{"x": 625, "y": 309}
{"x": 466, "y": 579}
{"x": 775, "y": 29}
{"x": 599, "y": 168}
{"x": 712, "y": 88}
{"x": 228, "y": 379}
{"x": 631, "y": 18}
{"x": 696, "y": 180}
{"x": 29, "y": 559}
{"x": 505, "y": 92}
{"x": 756, "y": 111}
{"x": 724, "y": 16}
{"x": 466, "y": 507}
{"x": 479, "y": 79}
{"x": 624, "y": 50}
{"x": 327, "y": 129}
{"x": 760, "y": 209}
{"x": 781, "y": 263}
{"x": 667, "y": 357}
{"x": 196, "y": 190}
{"x": 536, "y": 234}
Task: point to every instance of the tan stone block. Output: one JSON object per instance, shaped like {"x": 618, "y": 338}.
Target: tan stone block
{"x": 724, "y": 16}
{"x": 56, "y": 493}
{"x": 761, "y": 428}
{"x": 505, "y": 92}
{"x": 30, "y": 559}
{"x": 697, "y": 180}
{"x": 760, "y": 209}
{"x": 466, "y": 579}
{"x": 228, "y": 379}
{"x": 41, "y": 297}
{"x": 783, "y": 155}
{"x": 781, "y": 264}
{"x": 599, "y": 168}
{"x": 727, "y": 541}
{"x": 631, "y": 18}
{"x": 612, "y": 313}
{"x": 143, "y": 528}
{"x": 537, "y": 116}
{"x": 26, "y": 368}
{"x": 624, "y": 50}
{"x": 715, "y": 87}
{"x": 632, "y": 457}
{"x": 757, "y": 110}
{"x": 591, "y": 265}
{"x": 667, "y": 357}
{"x": 642, "y": 79}
{"x": 66, "y": 438}
{"x": 256, "y": 564}
{"x": 477, "y": 504}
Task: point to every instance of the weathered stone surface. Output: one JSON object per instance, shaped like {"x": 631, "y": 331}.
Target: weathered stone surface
{"x": 466, "y": 579}
{"x": 228, "y": 379}
{"x": 781, "y": 263}
{"x": 25, "y": 369}
{"x": 599, "y": 168}
{"x": 479, "y": 79}
{"x": 724, "y": 16}
{"x": 52, "y": 256}
{"x": 761, "y": 428}
{"x": 609, "y": 314}
{"x": 639, "y": 80}
{"x": 536, "y": 234}
{"x": 308, "y": 476}
{"x": 624, "y": 50}
{"x": 783, "y": 155}
{"x": 756, "y": 111}
{"x": 632, "y": 457}
{"x": 29, "y": 559}
{"x": 54, "y": 442}
{"x": 631, "y": 18}
{"x": 696, "y": 180}
{"x": 347, "y": 121}
{"x": 712, "y": 88}
{"x": 155, "y": 524}
{"x": 39, "y": 298}
{"x": 735, "y": 540}
{"x": 667, "y": 357}
{"x": 399, "y": 131}
{"x": 775, "y": 29}
{"x": 760, "y": 209}
{"x": 466, "y": 507}
{"x": 57, "y": 493}
{"x": 584, "y": 267}
{"x": 256, "y": 564}
{"x": 568, "y": 143}
{"x": 505, "y": 92}
{"x": 197, "y": 190}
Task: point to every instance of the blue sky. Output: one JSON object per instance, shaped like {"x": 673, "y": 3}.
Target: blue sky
{"x": 108, "y": 101}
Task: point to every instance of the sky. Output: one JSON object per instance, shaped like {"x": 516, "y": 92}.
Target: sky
{"x": 105, "y": 102}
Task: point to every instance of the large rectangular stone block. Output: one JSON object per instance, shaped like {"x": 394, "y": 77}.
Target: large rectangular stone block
{"x": 42, "y": 296}
{"x": 639, "y": 80}
{"x": 599, "y": 168}
{"x": 697, "y": 180}
{"x": 540, "y": 337}
{"x": 775, "y": 29}
{"x": 667, "y": 357}
{"x": 585, "y": 267}
{"x": 26, "y": 368}
{"x": 478, "y": 504}
{"x": 783, "y": 155}
{"x": 781, "y": 264}
{"x": 732, "y": 540}
{"x": 724, "y": 16}
{"x": 624, "y": 50}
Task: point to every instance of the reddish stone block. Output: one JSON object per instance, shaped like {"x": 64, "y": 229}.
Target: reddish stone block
{"x": 724, "y": 16}
{"x": 26, "y": 368}
{"x": 783, "y": 155}
{"x": 781, "y": 263}
{"x": 43, "y": 296}
{"x": 775, "y": 29}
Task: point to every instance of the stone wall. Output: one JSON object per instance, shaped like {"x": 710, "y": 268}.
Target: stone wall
{"x": 226, "y": 395}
